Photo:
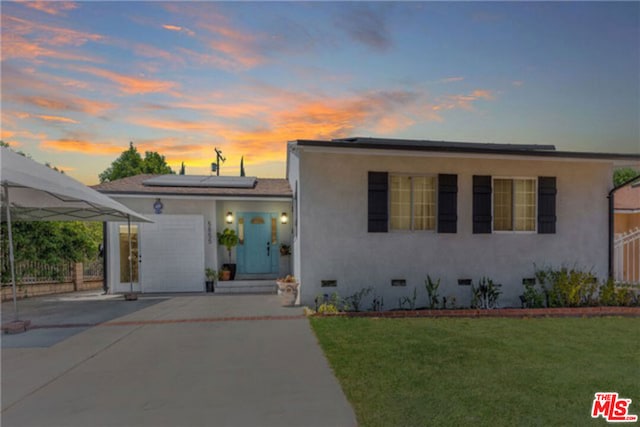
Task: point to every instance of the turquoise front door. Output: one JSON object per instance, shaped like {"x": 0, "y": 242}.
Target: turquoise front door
{"x": 258, "y": 246}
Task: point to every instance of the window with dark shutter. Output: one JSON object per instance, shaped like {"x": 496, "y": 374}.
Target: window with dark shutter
{"x": 481, "y": 204}
{"x": 547, "y": 205}
{"x": 378, "y": 216}
{"x": 447, "y": 203}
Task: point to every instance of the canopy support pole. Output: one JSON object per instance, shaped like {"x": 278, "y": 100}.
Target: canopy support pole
{"x": 130, "y": 255}
{"x": 12, "y": 260}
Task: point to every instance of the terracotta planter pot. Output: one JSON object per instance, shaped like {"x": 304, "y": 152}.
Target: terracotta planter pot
{"x": 226, "y": 275}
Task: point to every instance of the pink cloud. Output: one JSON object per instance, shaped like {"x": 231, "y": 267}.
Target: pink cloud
{"x": 51, "y": 7}
{"x": 149, "y": 51}
{"x": 66, "y": 103}
{"x": 56, "y": 119}
{"x": 451, "y": 79}
{"x": 482, "y": 93}
{"x": 128, "y": 84}
{"x": 82, "y": 146}
{"x": 464, "y": 102}
{"x": 179, "y": 29}
{"x": 30, "y": 40}
{"x": 48, "y": 34}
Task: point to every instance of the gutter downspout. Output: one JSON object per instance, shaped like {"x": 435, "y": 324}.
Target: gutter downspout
{"x": 610, "y": 196}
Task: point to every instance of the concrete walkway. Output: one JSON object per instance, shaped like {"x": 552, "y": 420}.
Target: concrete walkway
{"x": 208, "y": 360}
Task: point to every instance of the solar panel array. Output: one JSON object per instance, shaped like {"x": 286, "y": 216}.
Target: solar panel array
{"x": 205, "y": 181}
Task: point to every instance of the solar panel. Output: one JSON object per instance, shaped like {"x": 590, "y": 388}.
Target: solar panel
{"x": 205, "y": 181}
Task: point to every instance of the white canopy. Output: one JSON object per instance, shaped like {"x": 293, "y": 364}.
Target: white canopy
{"x": 39, "y": 193}
{"x": 34, "y": 192}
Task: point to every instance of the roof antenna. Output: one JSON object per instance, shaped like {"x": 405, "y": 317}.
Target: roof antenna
{"x": 215, "y": 167}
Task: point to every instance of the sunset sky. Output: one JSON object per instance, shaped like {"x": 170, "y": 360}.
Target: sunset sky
{"x": 82, "y": 79}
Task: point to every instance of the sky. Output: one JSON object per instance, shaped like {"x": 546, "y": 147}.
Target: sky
{"x": 80, "y": 80}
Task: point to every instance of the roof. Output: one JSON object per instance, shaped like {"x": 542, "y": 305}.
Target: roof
{"x": 627, "y": 198}
{"x": 264, "y": 187}
{"x": 462, "y": 147}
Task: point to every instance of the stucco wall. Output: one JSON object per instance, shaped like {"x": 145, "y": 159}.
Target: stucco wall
{"x": 335, "y": 244}
{"x": 181, "y": 206}
{"x": 213, "y": 212}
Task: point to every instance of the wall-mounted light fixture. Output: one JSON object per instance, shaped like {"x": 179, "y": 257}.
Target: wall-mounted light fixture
{"x": 229, "y": 217}
{"x": 284, "y": 218}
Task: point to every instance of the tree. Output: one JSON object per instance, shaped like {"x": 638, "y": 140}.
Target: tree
{"x": 242, "y": 166}
{"x": 620, "y": 176}
{"x": 182, "y": 169}
{"x": 130, "y": 163}
{"x": 155, "y": 163}
{"x": 51, "y": 243}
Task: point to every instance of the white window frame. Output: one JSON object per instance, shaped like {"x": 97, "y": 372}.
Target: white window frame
{"x": 513, "y": 218}
{"x": 411, "y": 229}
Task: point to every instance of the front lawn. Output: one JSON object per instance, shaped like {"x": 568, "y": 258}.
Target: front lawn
{"x": 470, "y": 372}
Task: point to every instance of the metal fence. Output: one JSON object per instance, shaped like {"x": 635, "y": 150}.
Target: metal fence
{"x": 31, "y": 272}
{"x": 627, "y": 257}
{"x": 93, "y": 270}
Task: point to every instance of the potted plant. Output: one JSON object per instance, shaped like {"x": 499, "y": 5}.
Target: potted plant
{"x": 225, "y": 273}
{"x": 285, "y": 249}
{"x": 288, "y": 290}
{"x": 229, "y": 239}
{"x": 212, "y": 275}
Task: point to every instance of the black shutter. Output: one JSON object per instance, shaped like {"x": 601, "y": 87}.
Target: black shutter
{"x": 481, "y": 204}
{"x": 378, "y": 202}
{"x": 447, "y": 203}
{"x": 547, "y": 205}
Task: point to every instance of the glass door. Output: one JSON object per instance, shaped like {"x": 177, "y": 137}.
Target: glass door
{"x": 129, "y": 274}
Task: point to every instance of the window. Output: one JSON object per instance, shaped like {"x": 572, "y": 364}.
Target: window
{"x": 514, "y": 204}
{"x": 413, "y": 202}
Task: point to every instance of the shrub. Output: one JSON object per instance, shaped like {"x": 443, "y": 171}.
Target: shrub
{"x": 354, "y": 301}
{"x": 409, "y": 301}
{"x": 568, "y": 287}
{"x": 326, "y": 304}
{"x": 607, "y": 294}
{"x": 326, "y": 308}
{"x": 532, "y": 298}
{"x": 377, "y": 304}
{"x": 433, "y": 299}
{"x": 486, "y": 294}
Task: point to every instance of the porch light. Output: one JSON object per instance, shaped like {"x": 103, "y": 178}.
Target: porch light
{"x": 229, "y": 217}
{"x": 284, "y": 218}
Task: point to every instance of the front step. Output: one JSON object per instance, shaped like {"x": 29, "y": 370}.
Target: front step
{"x": 246, "y": 287}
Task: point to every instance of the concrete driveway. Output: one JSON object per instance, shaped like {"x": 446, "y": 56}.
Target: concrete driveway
{"x": 206, "y": 360}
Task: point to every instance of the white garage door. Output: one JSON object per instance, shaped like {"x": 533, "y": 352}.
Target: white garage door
{"x": 172, "y": 254}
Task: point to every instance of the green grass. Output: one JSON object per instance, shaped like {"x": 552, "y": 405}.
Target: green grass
{"x": 481, "y": 372}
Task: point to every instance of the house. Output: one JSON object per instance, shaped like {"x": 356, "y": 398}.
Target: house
{"x": 626, "y": 202}
{"x": 379, "y": 213}
{"x": 171, "y": 254}
{"x": 386, "y": 213}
